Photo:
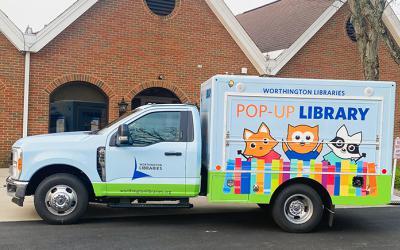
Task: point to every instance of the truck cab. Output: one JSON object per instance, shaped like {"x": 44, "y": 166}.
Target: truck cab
{"x": 151, "y": 153}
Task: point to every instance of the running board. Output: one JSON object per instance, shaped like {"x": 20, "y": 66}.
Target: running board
{"x": 144, "y": 205}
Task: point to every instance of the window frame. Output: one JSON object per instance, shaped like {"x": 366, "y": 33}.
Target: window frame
{"x": 186, "y": 127}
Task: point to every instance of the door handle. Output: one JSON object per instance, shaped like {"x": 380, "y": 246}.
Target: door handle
{"x": 173, "y": 153}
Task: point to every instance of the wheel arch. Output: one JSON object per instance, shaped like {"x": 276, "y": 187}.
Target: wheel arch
{"x": 49, "y": 170}
{"x": 321, "y": 190}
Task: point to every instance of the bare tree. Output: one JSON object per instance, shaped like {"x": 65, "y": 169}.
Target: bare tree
{"x": 370, "y": 30}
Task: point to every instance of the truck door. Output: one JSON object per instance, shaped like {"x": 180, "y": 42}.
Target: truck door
{"x": 155, "y": 162}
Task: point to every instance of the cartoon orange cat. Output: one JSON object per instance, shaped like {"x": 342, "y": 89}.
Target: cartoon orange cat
{"x": 302, "y": 143}
{"x": 260, "y": 145}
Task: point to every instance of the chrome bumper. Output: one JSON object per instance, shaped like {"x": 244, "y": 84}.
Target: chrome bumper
{"x": 16, "y": 189}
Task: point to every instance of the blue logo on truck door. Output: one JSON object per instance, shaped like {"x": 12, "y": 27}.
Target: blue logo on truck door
{"x": 138, "y": 174}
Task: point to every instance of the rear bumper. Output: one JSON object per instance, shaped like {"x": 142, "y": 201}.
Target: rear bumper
{"x": 16, "y": 189}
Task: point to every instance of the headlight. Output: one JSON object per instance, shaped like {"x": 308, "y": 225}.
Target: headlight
{"x": 16, "y": 163}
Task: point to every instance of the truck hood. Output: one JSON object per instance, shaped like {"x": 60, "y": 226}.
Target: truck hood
{"x": 53, "y": 138}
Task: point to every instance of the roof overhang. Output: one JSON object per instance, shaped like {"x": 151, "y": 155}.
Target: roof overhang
{"x": 11, "y": 31}
{"x": 34, "y": 43}
{"x": 274, "y": 66}
{"x": 58, "y": 25}
{"x": 243, "y": 40}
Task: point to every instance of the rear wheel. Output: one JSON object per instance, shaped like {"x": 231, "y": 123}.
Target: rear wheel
{"x": 61, "y": 199}
{"x": 298, "y": 209}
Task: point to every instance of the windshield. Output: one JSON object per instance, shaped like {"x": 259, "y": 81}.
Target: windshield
{"x": 117, "y": 120}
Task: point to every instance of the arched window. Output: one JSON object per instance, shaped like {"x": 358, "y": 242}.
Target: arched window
{"x": 351, "y": 32}
{"x": 154, "y": 95}
{"x": 161, "y": 7}
{"x": 77, "y": 106}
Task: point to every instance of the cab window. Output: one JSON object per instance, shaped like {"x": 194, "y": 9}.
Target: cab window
{"x": 155, "y": 128}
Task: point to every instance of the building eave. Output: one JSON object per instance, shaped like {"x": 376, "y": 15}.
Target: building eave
{"x": 58, "y": 25}
{"x": 392, "y": 22}
{"x": 389, "y": 18}
{"x": 274, "y": 66}
{"x": 239, "y": 35}
{"x": 37, "y": 42}
{"x": 11, "y": 32}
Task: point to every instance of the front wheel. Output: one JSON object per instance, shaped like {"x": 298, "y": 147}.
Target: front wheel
{"x": 298, "y": 209}
{"x": 61, "y": 199}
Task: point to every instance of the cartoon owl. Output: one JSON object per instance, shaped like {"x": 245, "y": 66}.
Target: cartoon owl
{"x": 302, "y": 143}
{"x": 345, "y": 147}
{"x": 260, "y": 145}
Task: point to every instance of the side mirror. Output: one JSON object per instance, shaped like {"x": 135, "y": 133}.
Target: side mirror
{"x": 122, "y": 135}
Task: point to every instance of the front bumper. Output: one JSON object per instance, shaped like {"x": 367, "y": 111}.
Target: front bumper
{"x": 16, "y": 189}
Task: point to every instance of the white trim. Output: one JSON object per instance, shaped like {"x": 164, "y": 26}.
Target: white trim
{"x": 11, "y": 31}
{"x": 390, "y": 19}
{"x": 225, "y": 124}
{"x": 238, "y": 33}
{"x": 59, "y": 24}
{"x": 274, "y": 66}
{"x": 26, "y": 95}
{"x": 211, "y": 128}
{"x": 392, "y": 22}
{"x": 36, "y": 42}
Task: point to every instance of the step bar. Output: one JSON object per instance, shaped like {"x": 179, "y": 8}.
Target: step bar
{"x": 126, "y": 203}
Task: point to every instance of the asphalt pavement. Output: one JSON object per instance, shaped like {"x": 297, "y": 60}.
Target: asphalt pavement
{"x": 248, "y": 228}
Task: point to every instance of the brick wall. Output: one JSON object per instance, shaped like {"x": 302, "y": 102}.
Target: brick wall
{"x": 122, "y": 47}
{"x": 330, "y": 54}
{"x": 11, "y": 97}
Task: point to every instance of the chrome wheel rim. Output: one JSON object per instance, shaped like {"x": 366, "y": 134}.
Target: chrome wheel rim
{"x": 61, "y": 200}
{"x": 298, "y": 209}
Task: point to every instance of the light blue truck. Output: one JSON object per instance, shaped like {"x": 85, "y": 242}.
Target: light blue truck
{"x": 301, "y": 145}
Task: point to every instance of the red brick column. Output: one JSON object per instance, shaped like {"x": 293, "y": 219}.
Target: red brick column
{"x": 5, "y": 146}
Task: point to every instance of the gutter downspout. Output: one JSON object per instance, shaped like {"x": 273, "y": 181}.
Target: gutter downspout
{"x": 26, "y": 94}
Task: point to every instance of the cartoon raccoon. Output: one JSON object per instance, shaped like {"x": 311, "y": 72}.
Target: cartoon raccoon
{"x": 260, "y": 145}
{"x": 345, "y": 147}
{"x": 302, "y": 143}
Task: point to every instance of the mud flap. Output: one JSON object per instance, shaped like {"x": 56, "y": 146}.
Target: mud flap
{"x": 331, "y": 215}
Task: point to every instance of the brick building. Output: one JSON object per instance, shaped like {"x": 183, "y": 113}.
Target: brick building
{"x": 315, "y": 39}
{"x": 76, "y": 73}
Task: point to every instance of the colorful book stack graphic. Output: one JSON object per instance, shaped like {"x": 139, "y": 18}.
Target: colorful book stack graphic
{"x": 258, "y": 177}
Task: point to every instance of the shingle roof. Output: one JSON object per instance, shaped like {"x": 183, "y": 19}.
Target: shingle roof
{"x": 277, "y": 25}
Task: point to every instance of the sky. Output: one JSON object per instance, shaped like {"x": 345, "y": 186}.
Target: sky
{"x": 37, "y": 13}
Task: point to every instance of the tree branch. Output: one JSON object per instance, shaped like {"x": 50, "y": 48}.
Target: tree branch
{"x": 373, "y": 15}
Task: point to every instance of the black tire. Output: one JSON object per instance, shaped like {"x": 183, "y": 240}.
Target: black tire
{"x": 73, "y": 183}
{"x": 298, "y": 224}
